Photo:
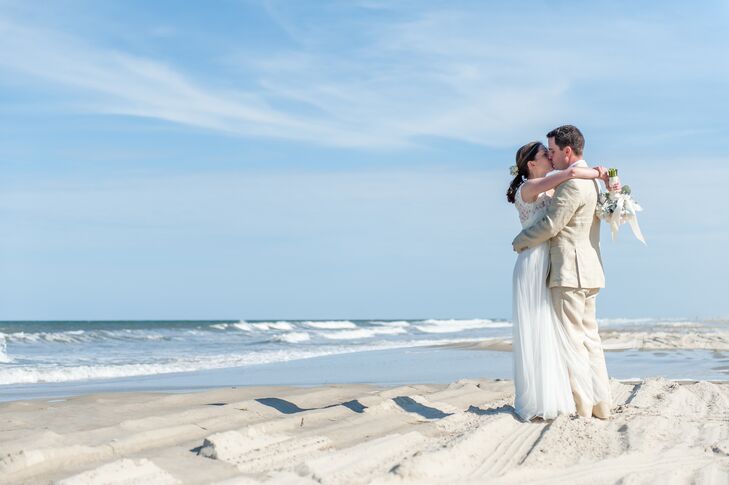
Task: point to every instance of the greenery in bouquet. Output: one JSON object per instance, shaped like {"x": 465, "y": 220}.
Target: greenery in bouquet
{"x": 608, "y": 203}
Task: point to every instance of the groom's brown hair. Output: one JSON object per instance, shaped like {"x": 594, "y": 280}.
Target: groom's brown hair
{"x": 568, "y": 136}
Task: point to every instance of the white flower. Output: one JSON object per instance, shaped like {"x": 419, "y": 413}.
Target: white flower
{"x": 607, "y": 205}
{"x": 514, "y": 170}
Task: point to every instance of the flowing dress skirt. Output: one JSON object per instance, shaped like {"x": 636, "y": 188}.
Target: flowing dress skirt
{"x": 544, "y": 357}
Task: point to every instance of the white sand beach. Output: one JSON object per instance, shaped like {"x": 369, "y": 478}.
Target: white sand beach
{"x": 464, "y": 432}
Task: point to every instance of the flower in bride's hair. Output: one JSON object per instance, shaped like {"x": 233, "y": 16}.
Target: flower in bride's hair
{"x": 514, "y": 170}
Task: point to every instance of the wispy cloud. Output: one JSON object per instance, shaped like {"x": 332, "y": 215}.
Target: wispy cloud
{"x": 114, "y": 82}
{"x": 479, "y": 76}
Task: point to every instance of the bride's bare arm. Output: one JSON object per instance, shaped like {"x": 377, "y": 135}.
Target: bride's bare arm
{"x": 533, "y": 187}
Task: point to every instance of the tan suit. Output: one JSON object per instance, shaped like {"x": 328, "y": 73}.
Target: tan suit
{"x": 575, "y": 276}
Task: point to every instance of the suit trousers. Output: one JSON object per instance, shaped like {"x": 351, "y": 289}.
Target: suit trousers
{"x": 575, "y": 308}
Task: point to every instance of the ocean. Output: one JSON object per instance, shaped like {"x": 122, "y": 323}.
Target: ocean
{"x": 33, "y": 352}
{"x": 73, "y": 354}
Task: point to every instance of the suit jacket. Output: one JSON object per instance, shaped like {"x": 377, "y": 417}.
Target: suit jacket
{"x": 573, "y": 231}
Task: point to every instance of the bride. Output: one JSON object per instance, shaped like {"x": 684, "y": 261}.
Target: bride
{"x": 544, "y": 359}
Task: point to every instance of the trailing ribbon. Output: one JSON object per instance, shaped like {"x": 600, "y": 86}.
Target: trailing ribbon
{"x": 625, "y": 210}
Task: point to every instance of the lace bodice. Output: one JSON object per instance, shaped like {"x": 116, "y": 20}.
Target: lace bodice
{"x": 529, "y": 212}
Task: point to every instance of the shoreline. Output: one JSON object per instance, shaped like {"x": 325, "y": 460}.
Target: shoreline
{"x": 618, "y": 340}
{"x": 413, "y": 365}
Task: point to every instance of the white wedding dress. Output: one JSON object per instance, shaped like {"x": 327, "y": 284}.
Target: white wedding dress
{"x": 544, "y": 357}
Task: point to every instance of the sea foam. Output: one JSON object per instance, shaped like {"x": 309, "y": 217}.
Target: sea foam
{"x": 452, "y": 326}
{"x": 292, "y": 337}
{"x": 4, "y": 357}
{"x": 54, "y": 373}
{"x": 331, "y": 325}
{"x": 272, "y": 325}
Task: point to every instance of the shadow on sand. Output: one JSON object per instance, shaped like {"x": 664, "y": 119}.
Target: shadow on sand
{"x": 287, "y": 407}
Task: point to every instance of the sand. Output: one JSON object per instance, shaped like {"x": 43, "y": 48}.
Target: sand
{"x": 617, "y": 340}
{"x": 661, "y": 432}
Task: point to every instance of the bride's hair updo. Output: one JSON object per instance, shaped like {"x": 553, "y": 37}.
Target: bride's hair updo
{"x": 524, "y": 155}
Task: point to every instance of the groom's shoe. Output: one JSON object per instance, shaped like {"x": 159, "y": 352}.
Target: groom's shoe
{"x": 601, "y": 410}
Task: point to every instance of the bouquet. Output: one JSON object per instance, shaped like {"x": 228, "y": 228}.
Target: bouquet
{"x": 618, "y": 207}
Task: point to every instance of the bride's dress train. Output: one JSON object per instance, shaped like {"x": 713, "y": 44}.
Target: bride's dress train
{"x": 544, "y": 357}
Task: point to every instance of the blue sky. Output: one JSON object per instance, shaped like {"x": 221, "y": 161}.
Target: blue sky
{"x": 250, "y": 159}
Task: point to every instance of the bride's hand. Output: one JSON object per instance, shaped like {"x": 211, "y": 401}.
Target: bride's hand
{"x": 603, "y": 171}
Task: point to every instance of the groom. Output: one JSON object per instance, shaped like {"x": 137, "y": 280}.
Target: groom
{"x": 576, "y": 273}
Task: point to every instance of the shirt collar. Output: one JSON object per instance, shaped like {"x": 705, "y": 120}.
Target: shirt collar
{"x": 579, "y": 163}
